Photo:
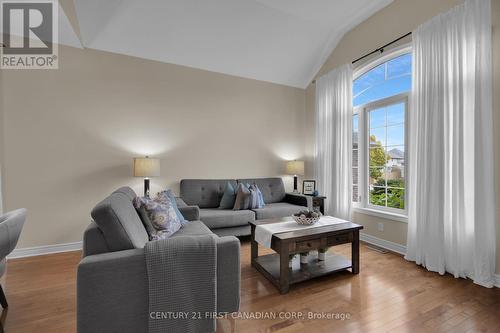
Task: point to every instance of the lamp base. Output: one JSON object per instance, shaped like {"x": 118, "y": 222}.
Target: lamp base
{"x": 146, "y": 187}
{"x": 295, "y": 190}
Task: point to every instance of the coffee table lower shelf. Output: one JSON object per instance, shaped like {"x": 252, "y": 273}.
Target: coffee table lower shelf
{"x": 269, "y": 265}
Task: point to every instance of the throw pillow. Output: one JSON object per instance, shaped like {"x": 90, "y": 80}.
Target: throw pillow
{"x": 256, "y": 200}
{"x": 168, "y": 196}
{"x": 162, "y": 216}
{"x": 261, "y": 197}
{"x": 242, "y": 200}
{"x": 148, "y": 225}
{"x": 228, "y": 198}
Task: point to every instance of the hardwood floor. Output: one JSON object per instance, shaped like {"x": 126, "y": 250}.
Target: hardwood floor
{"x": 389, "y": 295}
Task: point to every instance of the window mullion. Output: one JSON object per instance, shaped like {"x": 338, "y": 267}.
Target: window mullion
{"x": 364, "y": 162}
{"x": 386, "y": 151}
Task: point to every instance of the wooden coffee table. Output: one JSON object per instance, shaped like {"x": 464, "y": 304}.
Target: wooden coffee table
{"x": 275, "y": 266}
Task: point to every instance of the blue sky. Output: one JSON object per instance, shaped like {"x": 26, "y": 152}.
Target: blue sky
{"x": 387, "y": 79}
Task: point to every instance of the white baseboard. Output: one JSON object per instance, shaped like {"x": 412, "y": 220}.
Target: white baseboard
{"x": 385, "y": 244}
{"x": 45, "y": 249}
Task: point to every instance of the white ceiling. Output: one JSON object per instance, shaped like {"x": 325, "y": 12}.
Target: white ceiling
{"x": 279, "y": 41}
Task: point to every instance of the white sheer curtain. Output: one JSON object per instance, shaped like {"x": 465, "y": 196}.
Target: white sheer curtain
{"x": 1, "y": 192}
{"x": 451, "y": 196}
{"x": 333, "y": 151}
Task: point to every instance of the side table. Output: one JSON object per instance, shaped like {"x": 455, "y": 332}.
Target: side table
{"x": 318, "y": 203}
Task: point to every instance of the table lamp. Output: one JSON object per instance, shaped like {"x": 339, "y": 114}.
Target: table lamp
{"x": 295, "y": 168}
{"x": 146, "y": 167}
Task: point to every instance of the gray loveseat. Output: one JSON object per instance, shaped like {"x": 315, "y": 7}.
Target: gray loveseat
{"x": 112, "y": 281}
{"x": 207, "y": 193}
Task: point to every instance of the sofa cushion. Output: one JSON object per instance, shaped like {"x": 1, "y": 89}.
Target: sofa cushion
{"x": 146, "y": 221}
{"x": 273, "y": 189}
{"x": 119, "y": 222}
{"x": 193, "y": 228}
{"x": 130, "y": 193}
{"x": 205, "y": 193}
{"x": 279, "y": 209}
{"x": 223, "y": 218}
{"x": 242, "y": 230}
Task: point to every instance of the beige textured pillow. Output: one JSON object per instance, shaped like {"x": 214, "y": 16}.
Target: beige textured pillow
{"x": 242, "y": 197}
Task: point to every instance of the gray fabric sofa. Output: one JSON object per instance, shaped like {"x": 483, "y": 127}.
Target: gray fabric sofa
{"x": 207, "y": 193}
{"x": 112, "y": 281}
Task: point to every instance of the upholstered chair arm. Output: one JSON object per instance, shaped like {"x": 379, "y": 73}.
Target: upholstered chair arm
{"x": 112, "y": 292}
{"x": 180, "y": 202}
{"x": 228, "y": 274}
{"x": 190, "y": 213}
{"x": 298, "y": 199}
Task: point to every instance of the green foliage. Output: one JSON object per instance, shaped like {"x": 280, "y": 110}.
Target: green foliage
{"x": 395, "y": 196}
{"x": 390, "y": 183}
{"x": 378, "y": 157}
{"x": 377, "y": 199}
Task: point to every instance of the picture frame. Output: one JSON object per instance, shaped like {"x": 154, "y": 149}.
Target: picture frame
{"x": 308, "y": 186}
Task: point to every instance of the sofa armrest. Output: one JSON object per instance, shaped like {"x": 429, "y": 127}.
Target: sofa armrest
{"x": 112, "y": 292}
{"x": 228, "y": 274}
{"x": 298, "y": 199}
{"x": 180, "y": 202}
{"x": 190, "y": 213}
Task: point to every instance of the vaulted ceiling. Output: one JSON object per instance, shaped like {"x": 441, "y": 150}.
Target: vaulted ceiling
{"x": 279, "y": 41}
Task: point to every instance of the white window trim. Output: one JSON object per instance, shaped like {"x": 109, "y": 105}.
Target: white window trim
{"x": 382, "y": 214}
{"x": 363, "y": 206}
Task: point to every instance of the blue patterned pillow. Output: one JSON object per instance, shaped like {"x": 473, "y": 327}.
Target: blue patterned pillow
{"x": 256, "y": 199}
{"x": 228, "y": 198}
{"x": 168, "y": 196}
{"x": 162, "y": 216}
{"x": 261, "y": 197}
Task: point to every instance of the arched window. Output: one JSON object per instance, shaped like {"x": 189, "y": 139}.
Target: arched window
{"x": 387, "y": 79}
{"x": 380, "y": 100}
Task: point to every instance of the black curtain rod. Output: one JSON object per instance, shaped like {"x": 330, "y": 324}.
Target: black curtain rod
{"x": 380, "y": 49}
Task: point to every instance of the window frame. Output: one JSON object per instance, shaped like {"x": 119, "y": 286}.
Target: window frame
{"x": 363, "y": 205}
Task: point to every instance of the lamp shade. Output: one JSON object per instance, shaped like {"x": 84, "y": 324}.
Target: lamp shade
{"x": 146, "y": 167}
{"x": 295, "y": 168}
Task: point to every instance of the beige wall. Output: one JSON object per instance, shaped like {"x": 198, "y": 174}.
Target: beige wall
{"x": 70, "y": 134}
{"x": 1, "y": 148}
{"x": 398, "y": 18}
